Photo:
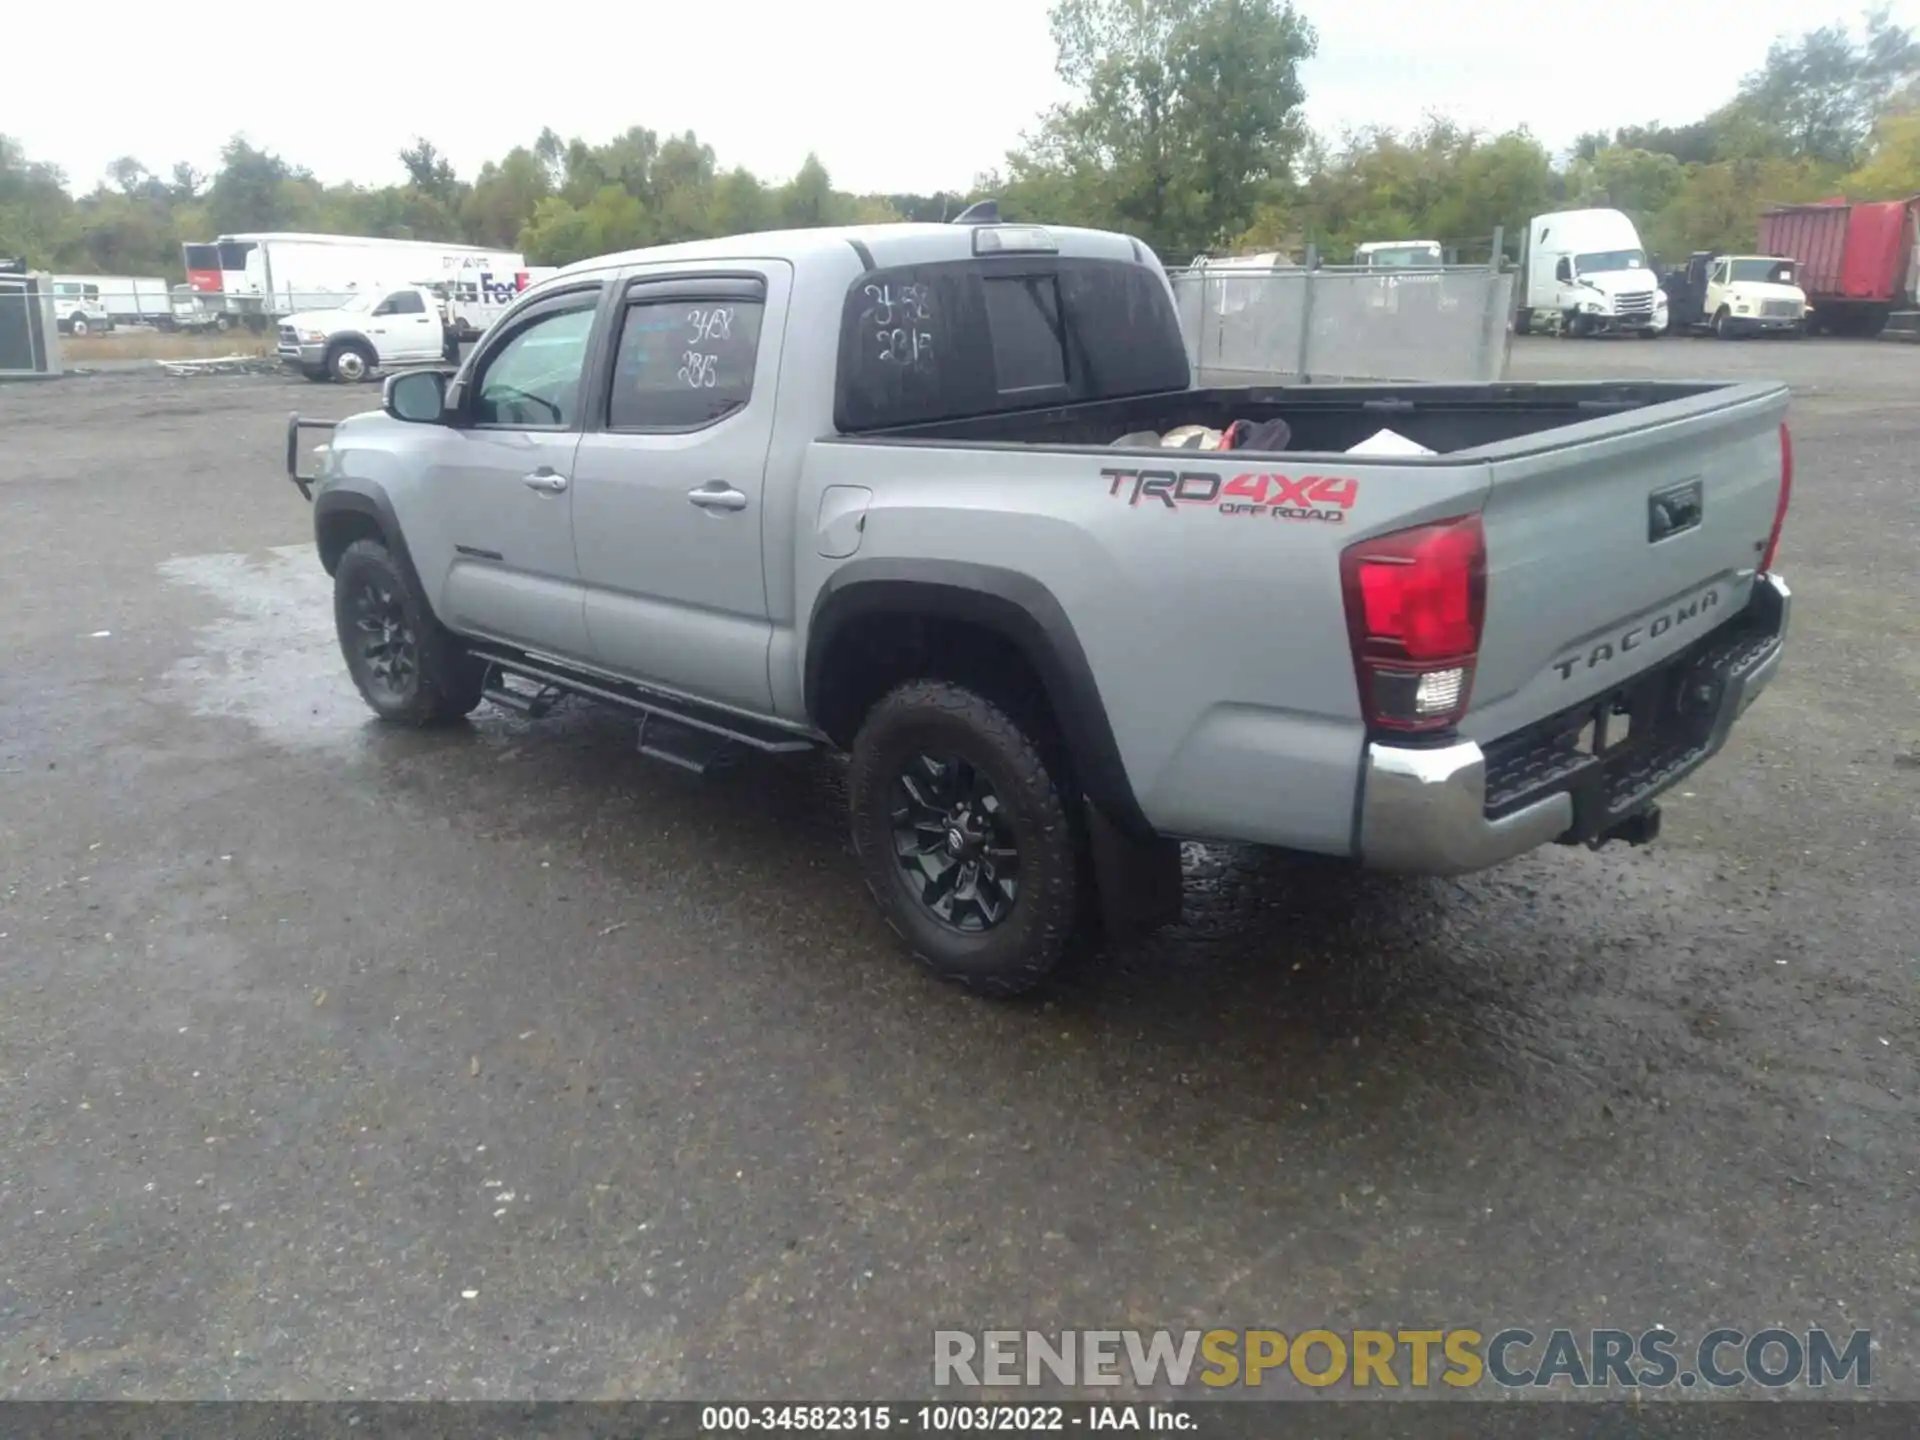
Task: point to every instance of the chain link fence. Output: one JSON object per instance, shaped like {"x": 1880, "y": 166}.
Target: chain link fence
{"x": 1251, "y": 327}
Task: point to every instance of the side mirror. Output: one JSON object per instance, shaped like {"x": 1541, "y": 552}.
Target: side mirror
{"x": 1563, "y": 272}
{"x": 418, "y": 396}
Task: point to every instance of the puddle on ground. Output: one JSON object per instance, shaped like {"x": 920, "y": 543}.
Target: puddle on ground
{"x": 272, "y": 660}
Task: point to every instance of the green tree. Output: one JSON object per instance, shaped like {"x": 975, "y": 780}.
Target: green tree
{"x": 1820, "y": 92}
{"x": 431, "y": 173}
{"x": 1892, "y": 170}
{"x": 1640, "y": 182}
{"x": 251, "y": 191}
{"x": 506, "y": 198}
{"x": 808, "y": 199}
{"x": 1186, "y": 115}
{"x": 741, "y": 204}
{"x": 36, "y": 213}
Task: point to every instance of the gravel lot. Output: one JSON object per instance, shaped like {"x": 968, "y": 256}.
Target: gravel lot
{"x": 507, "y": 1063}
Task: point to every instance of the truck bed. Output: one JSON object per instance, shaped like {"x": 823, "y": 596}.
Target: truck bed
{"x": 1623, "y": 523}
{"x": 1447, "y": 419}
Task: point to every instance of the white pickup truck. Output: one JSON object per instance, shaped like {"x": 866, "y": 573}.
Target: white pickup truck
{"x": 915, "y": 492}
{"x": 383, "y": 327}
{"x": 78, "y": 313}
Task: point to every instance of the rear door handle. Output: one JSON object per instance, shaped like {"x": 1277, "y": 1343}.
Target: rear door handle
{"x": 717, "y": 495}
{"x": 545, "y": 481}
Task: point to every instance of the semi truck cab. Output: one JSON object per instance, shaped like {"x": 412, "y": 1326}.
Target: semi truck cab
{"x": 1587, "y": 274}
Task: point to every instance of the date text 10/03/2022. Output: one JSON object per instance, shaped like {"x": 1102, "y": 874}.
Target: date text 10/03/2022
{"x": 946, "y": 1419}
{"x": 1322, "y": 498}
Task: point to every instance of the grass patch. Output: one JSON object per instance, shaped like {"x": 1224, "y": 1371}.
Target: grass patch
{"x": 158, "y": 345}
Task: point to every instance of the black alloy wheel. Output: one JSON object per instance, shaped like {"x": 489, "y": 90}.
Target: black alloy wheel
{"x": 954, "y": 841}
{"x": 387, "y": 648}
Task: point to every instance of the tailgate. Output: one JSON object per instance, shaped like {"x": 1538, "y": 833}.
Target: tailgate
{"x": 1611, "y": 551}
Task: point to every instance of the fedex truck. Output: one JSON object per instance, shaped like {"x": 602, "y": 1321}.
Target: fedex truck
{"x": 472, "y": 299}
{"x": 256, "y": 279}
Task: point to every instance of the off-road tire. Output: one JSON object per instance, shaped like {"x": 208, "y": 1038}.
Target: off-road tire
{"x": 927, "y": 716}
{"x": 445, "y": 683}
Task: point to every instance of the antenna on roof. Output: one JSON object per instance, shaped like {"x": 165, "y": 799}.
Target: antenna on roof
{"x": 981, "y": 212}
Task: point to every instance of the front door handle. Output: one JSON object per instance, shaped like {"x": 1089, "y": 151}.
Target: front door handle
{"x": 545, "y": 481}
{"x": 717, "y": 495}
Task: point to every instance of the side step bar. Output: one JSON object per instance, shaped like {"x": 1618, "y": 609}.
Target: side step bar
{"x": 535, "y": 705}
{"x": 684, "y": 732}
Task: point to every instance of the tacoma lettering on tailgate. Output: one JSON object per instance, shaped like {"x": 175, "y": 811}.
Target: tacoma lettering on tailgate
{"x": 1605, "y": 650}
{"x": 1324, "y": 498}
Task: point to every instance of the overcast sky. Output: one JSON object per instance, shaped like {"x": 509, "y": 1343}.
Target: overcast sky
{"x": 894, "y": 95}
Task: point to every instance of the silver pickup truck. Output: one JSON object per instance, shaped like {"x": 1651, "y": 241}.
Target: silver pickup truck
{"x": 860, "y": 489}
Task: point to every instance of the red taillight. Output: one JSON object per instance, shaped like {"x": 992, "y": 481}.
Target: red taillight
{"x": 1415, "y": 603}
{"x": 1786, "y": 496}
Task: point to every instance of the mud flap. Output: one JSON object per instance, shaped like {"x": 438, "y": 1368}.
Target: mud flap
{"x": 1139, "y": 882}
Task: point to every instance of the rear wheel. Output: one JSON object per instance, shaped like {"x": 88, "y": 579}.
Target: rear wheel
{"x": 964, "y": 837}
{"x": 407, "y": 668}
{"x": 223, "y": 323}
{"x": 1523, "y": 321}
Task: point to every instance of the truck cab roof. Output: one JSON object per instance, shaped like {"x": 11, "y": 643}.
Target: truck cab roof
{"x": 883, "y": 246}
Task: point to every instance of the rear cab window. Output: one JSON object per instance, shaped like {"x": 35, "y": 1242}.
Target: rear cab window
{"x": 952, "y": 339}
{"x": 686, "y": 353}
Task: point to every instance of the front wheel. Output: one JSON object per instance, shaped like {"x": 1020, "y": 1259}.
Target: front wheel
{"x": 223, "y": 324}
{"x": 407, "y": 668}
{"x": 349, "y": 362}
{"x": 1721, "y": 329}
{"x": 78, "y": 329}
{"x": 964, "y": 837}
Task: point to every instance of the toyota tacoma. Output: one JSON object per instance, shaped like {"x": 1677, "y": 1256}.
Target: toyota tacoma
{"x": 895, "y": 491}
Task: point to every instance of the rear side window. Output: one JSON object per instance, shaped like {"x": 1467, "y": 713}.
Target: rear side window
{"x": 971, "y": 337}
{"x": 684, "y": 363}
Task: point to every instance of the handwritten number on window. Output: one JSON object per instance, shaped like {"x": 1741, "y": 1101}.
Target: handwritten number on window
{"x": 900, "y": 317}
{"x": 698, "y": 371}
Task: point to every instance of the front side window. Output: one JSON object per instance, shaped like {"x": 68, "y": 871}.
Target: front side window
{"x": 533, "y": 381}
{"x": 684, "y": 364}
{"x": 403, "y": 302}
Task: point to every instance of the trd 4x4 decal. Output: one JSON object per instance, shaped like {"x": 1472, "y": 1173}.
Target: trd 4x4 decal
{"x": 1325, "y": 498}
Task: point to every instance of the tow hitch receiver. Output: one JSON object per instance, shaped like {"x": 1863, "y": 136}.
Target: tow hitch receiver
{"x": 1640, "y": 828}
{"x": 294, "y": 426}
